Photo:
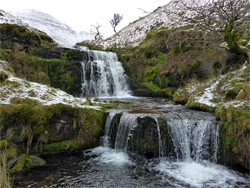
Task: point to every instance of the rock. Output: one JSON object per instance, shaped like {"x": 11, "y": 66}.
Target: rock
{"x": 11, "y": 162}
{"x": 145, "y": 138}
{"x": 37, "y": 161}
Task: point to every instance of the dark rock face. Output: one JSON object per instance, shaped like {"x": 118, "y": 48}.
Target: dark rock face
{"x": 145, "y": 139}
{"x": 59, "y": 53}
{"x": 65, "y": 74}
{"x": 63, "y": 127}
{"x": 20, "y": 35}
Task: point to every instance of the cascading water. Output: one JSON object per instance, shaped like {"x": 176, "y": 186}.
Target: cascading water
{"x": 183, "y": 144}
{"x": 127, "y": 123}
{"x": 104, "y": 76}
{"x": 194, "y": 138}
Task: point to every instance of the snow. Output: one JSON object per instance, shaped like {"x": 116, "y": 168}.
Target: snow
{"x": 44, "y": 94}
{"x": 10, "y": 19}
{"x": 60, "y": 32}
{"x": 210, "y": 93}
{"x": 134, "y": 33}
{"x": 236, "y": 104}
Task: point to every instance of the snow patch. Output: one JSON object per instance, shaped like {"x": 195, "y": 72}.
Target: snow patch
{"x": 16, "y": 87}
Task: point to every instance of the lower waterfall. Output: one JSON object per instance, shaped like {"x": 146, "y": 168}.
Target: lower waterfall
{"x": 193, "y": 137}
{"x": 154, "y": 144}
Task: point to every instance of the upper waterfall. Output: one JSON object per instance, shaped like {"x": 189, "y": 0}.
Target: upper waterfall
{"x": 104, "y": 76}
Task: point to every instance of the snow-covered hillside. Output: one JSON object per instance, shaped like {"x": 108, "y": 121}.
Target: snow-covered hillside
{"x": 10, "y": 19}
{"x": 135, "y": 32}
{"x": 60, "y": 32}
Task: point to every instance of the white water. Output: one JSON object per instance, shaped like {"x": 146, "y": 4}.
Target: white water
{"x": 159, "y": 138}
{"x": 127, "y": 123}
{"x": 202, "y": 174}
{"x": 108, "y": 156}
{"x": 104, "y": 76}
{"x": 194, "y": 138}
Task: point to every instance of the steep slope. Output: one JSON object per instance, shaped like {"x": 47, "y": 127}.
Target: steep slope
{"x": 135, "y": 32}
{"x": 59, "y": 31}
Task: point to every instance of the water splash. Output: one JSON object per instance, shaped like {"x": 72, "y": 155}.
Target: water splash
{"x": 199, "y": 174}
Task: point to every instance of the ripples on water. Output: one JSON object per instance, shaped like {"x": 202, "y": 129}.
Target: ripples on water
{"x": 106, "y": 167}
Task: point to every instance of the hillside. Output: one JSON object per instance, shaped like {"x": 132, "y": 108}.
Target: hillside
{"x": 135, "y": 32}
{"x": 60, "y": 32}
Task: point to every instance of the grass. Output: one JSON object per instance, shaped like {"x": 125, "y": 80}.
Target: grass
{"x": 6, "y": 180}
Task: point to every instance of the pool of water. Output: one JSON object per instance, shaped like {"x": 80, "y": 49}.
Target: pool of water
{"x": 106, "y": 167}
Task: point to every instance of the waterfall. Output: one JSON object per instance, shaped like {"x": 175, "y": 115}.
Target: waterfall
{"x": 127, "y": 123}
{"x": 194, "y": 138}
{"x": 103, "y": 75}
{"x": 189, "y": 136}
{"x": 118, "y": 129}
{"x": 159, "y": 138}
{"x": 133, "y": 132}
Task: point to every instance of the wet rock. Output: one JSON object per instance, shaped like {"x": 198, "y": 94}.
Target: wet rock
{"x": 37, "y": 161}
{"x": 145, "y": 139}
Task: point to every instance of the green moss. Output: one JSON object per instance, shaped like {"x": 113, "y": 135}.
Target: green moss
{"x": 181, "y": 96}
{"x": 192, "y": 104}
{"x": 11, "y": 152}
{"x": 130, "y": 105}
{"x": 107, "y": 105}
{"x": 17, "y": 100}
{"x": 235, "y": 126}
{"x": 34, "y": 124}
{"x": 244, "y": 93}
{"x": 3, "y": 76}
{"x": 59, "y": 147}
{"x": 23, "y": 161}
{"x": 231, "y": 94}
{"x": 121, "y": 102}
{"x": 3, "y": 144}
{"x": 13, "y": 84}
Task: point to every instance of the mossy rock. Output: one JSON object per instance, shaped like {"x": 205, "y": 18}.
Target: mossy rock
{"x": 3, "y": 76}
{"x": 61, "y": 147}
{"x": 27, "y": 161}
{"x": 231, "y": 94}
{"x": 3, "y": 144}
{"x": 235, "y": 132}
{"x": 193, "y": 104}
{"x": 181, "y": 96}
{"x": 36, "y": 127}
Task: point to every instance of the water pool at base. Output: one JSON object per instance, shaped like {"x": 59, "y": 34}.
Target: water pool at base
{"x": 191, "y": 160}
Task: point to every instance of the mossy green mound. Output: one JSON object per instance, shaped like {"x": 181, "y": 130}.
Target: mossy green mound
{"x": 37, "y": 129}
{"x": 235, "y": 131}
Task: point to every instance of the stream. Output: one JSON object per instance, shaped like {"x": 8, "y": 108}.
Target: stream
{"x": 145, "y": 143}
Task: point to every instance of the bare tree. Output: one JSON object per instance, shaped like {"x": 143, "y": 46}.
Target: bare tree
{"x": 95, "y": 31}
{"x": 229, "y": 17}
{"x": 144, "y": 11}
{"x": 116, "y": 20}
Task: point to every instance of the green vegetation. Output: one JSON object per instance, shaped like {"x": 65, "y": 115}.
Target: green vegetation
{"x": 5, "y": 179}
{"x": 3, "y": 77}
{"x": 167, "y": 58}
{"x": 235, "y": 131}
{"x": 38, "y": 129}
{"x": 90, "y": 45}
{"x": 31, "y": 57}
